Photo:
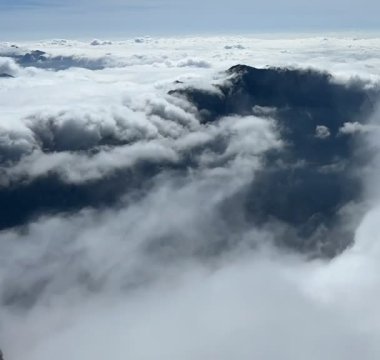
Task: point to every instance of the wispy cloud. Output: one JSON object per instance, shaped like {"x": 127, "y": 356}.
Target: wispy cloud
{"x": 69, "y": 4}
{"x": 28, "y": 4}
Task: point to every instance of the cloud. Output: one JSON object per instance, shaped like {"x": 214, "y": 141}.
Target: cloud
{"x": 40, "y": 59}
{"x": 232, "y": 47}
{"x": 307, "y": 183}
{"x": 355, "y": 127}
{"x": 188, "y": 211}
{"x": 193, "y": 62}
{"x": 8, "y": 68}
{"x": 97, "y": 42}
{"x": 322, "y": 132}
{"x": 73, "y": 147}
{"x": 186, "y": 309}
{"x": 28, "y": 4}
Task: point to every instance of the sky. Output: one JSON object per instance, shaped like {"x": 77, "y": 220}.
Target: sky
{"x": 84, "y": 18}
{"x": 139, "y": 223}
{"x": 156, "y": 203}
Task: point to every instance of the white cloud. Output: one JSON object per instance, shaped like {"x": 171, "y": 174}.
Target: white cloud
{"x": 350, "y": 128}
{"x": 163, "y": 274}
{"x": 194, "y": 63}
{"x": 97, "y": 42}
{"x": 322, "y": 132}
{"x": 8, "y": 67}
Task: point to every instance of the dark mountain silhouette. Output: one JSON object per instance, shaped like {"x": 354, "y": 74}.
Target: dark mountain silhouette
{"x": 40, "y": 59}
{"x": 306, "y": 184}
{"x": 303, "y": 186}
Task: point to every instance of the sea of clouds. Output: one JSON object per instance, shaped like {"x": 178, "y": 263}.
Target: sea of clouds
{"x": 115, "y": 240}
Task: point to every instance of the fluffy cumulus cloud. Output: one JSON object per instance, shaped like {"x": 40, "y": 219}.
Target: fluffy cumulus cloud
{"x": 159, "y": 199}
{"x": 322, "y": 132}
{"x": 8, "y": 68}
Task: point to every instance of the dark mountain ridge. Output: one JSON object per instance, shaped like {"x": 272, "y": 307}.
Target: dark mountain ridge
{"x": 303, "y": 186}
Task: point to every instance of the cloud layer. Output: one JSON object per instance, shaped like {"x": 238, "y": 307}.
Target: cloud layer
{"x": 178, "y": 205}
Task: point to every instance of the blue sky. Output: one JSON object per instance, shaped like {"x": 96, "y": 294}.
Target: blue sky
{"x": 85, "y": 18}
